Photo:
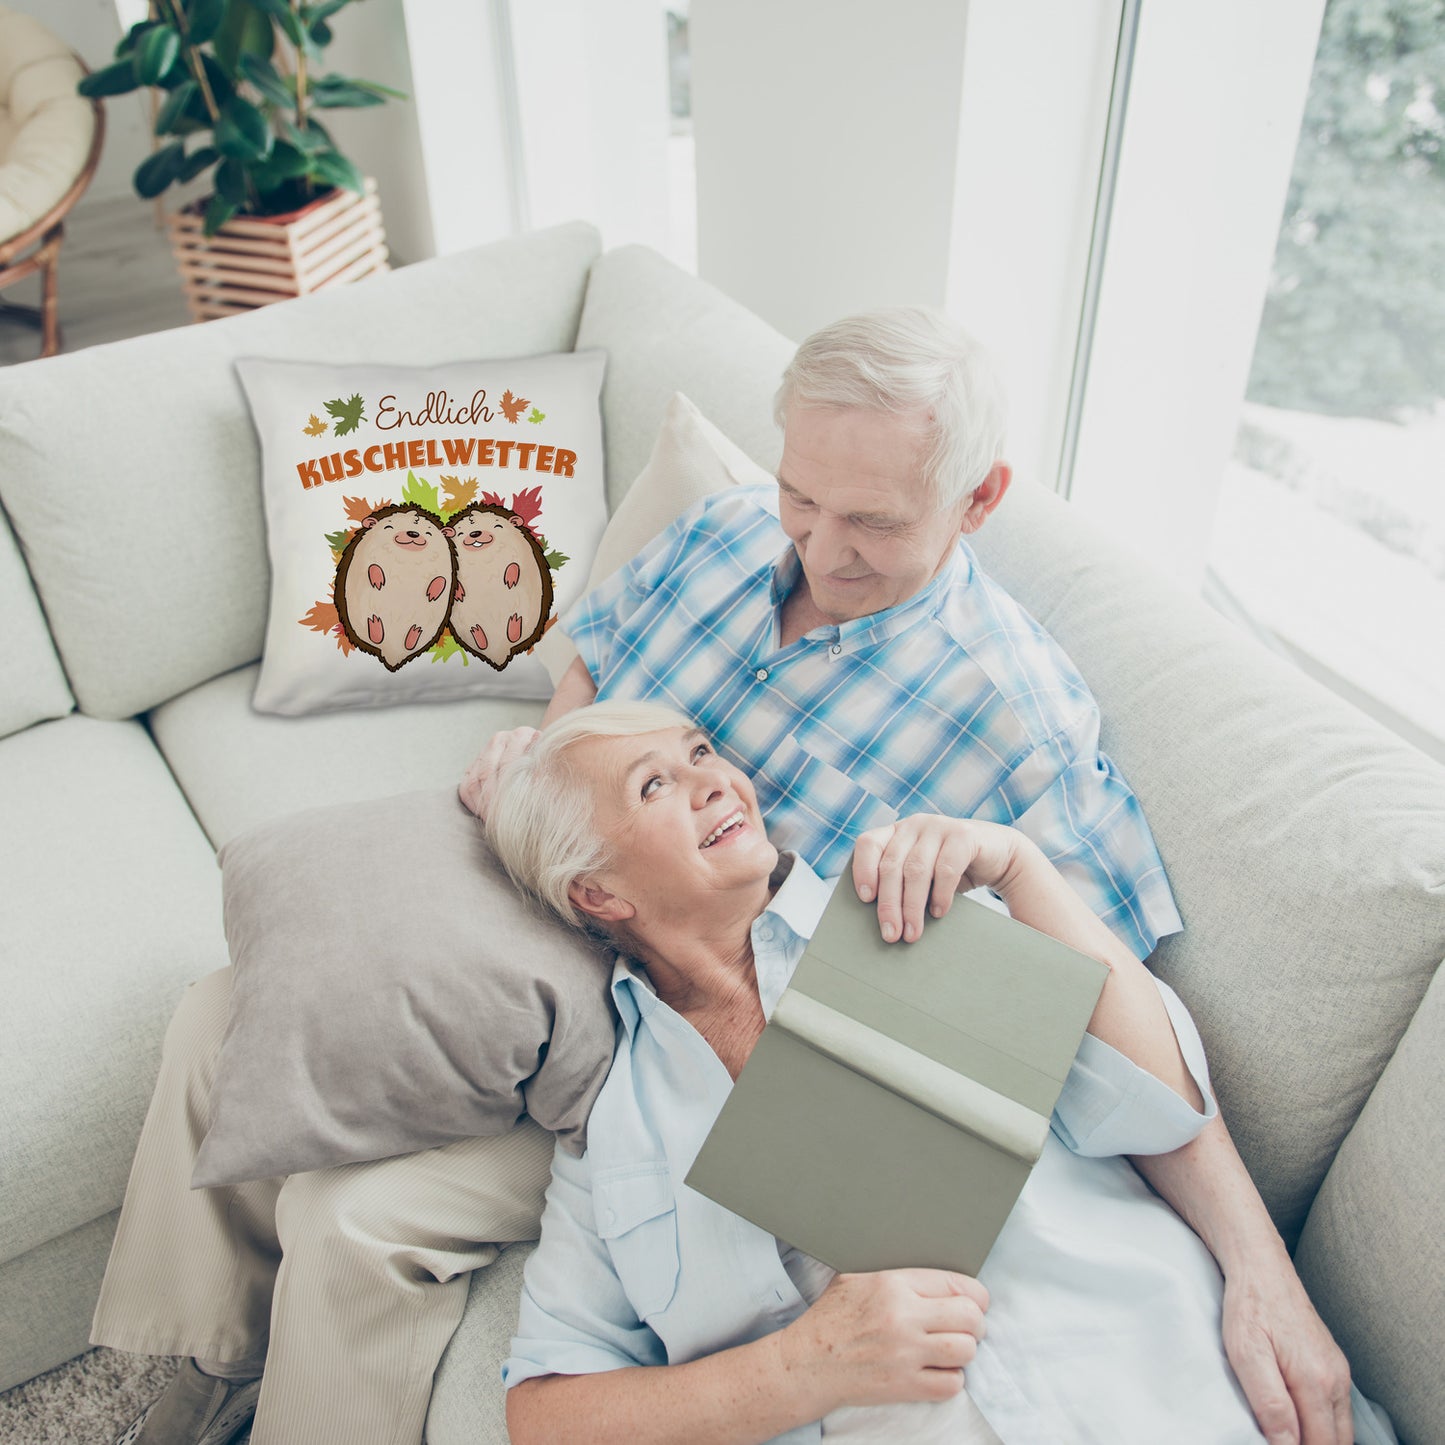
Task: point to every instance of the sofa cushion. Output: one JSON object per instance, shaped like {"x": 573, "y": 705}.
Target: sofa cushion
{"x": 239, "y": 768}
{"x": 1301, "y": 840}
{"x": 1372, "y": 1254}
{"x": 153, "y": 436}
{"x": 664, "y": 331}
{"x": 110, "y": 906}
{"x": 32, "y": 684}
{"x": 497, "y": 465}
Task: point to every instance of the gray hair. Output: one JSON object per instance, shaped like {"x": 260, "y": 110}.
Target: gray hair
{"x": 542, "y": 820}
{"x": 908, "y": 360}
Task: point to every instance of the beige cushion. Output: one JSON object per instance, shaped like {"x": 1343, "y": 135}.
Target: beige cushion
{"x": 691, "y": 459}
{"x": 392, "y": 993}
{"x": 47, "y": 130}
{"x": 1302, "y": 842}
{"x": 1373, "y": 1250}
{"x": 165, "y": 426}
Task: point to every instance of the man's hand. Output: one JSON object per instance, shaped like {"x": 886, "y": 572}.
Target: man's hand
{"x": 476, "y": 785}
{"x": 1295, "y": 1377}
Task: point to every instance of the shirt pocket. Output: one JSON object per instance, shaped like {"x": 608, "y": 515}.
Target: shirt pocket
{"x": 816, "y": 802}
{"x": 636, "y": 1212}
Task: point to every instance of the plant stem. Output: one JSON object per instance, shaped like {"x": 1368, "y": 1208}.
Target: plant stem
{"x": 177, "y": 14}
{"x": 301, "y": 93}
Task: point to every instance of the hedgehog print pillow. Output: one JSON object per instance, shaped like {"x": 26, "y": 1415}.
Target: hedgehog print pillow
{"x": 426, "y": 525}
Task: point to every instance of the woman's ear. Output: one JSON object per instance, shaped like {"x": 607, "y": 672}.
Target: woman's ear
{"x": 596, "y": 902}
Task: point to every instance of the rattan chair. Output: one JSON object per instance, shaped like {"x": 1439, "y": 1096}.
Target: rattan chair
{"x": 50, "y": 139}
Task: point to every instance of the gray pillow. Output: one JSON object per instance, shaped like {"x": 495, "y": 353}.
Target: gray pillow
{"x": 392, "y": 992}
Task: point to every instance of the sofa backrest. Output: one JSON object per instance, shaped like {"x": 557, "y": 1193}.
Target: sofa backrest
{"x": 131, "y": 472}
{"x": 32, "y": 683}
{"x": 1302, "y": 841}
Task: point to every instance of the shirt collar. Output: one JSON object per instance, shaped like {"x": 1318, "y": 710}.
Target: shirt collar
{"x": 779, "y": 933}
{"x": 878, "y": 626}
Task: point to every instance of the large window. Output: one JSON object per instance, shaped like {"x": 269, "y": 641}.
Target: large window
{"x": 1330, "y": 528}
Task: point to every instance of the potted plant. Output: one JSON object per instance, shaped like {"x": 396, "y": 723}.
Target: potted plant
{"x": 239, "y": 85}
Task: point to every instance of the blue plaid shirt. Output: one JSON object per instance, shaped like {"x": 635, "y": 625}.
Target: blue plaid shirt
{"x": 954, "y": 702}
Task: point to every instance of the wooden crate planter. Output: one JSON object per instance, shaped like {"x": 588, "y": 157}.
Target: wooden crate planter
{"x": 255, "y": 260}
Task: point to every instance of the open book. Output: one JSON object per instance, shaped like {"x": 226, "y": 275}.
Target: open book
{"x": 900, "y": 1094}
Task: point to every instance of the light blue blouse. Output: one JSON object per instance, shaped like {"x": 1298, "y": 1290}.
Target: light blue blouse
{"x": 1105, "y": 1316}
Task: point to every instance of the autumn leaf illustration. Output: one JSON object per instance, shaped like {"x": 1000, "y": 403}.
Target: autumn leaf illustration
{"x": 337, "y": 540}
{"x": 513, "y": 406}
{"x": 314, "y": 426}
{"x": 447, "y": 648}
{"x": 459, "y": 494}
{"x": 322, "y": 618}
{"x": 419, "y": 492}
{"x": 492, "y": 499}
{"x": 537, "y": 416}
{"x": 349, "y": 414}
{"x": 556, "y": 559}
{"x": 527, "y": 504}
{"x": 358, "y": 509}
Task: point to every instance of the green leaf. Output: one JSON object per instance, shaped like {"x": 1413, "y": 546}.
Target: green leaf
{"x": 537, "y": 417}
{"x": 379, "y": 89}
{"x": 131, "y": 38}
{"x": 158, "y": 50}
{"x": 320, "y": 35}
{"x": 278, "y": 89}
{"x": 117, "y": 79}
{"x": 203, "y": 19}
{"x": 244, "y": 31}
{"x": 333, "y": 92}
{"x": 312, "y": 141}
{"x": 333, "y": 168}
{"x": 218, "y": 213}
{"x": 285, "y": 17}
{"x": 222, "y": 87}
{"x": 337, "y": 540}
{"x": 197, "y": 161}
{"x": 174, "y": 109}
{"x": 242, "y": 131}
{"x": 157, "y": 171}
{"x": 287, "y": 163}
{"x": 231, "y": 182}
{"x": 324, "y": 11}
{"x": 349, "y": 414}
{"x": 556, "y": 559}
{"x": 446, "y": 648}
{"x": 418, "y": 492}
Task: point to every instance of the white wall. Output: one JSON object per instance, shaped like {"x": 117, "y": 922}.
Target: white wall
{"x": 827, "y": 147}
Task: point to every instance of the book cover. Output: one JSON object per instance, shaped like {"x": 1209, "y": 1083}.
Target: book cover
{"x": 900, "y": 1094}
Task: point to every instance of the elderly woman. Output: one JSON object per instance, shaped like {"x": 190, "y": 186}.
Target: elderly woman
{"x": 653, "y": 1314}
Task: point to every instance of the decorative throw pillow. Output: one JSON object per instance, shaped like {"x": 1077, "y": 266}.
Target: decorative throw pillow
{"x": 393, "y": 992}
{"x": 691, "y": 459}
{"x": 425, "y": 525}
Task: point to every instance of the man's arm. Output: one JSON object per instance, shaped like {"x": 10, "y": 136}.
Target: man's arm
{"x": 1295, "y": 1377}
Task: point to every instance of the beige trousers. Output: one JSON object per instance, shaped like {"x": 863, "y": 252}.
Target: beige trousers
{"x": 350, "y": 1281}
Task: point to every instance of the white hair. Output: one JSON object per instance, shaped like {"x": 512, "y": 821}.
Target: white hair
{"x": 542, "y": 820}
{"x": 908, "y": 360}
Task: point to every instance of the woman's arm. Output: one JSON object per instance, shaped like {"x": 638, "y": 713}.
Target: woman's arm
{"x": 903, "y": 1334}
{"x": 917, "y": 865}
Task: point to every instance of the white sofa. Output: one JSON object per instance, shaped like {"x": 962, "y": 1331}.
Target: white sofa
{"x": 1306, "y": 846}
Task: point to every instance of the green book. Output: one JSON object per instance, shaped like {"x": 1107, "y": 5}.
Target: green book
{"x": 900, "y": 1094}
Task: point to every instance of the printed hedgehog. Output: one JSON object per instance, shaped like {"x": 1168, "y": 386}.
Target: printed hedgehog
{"x": 394, "y": 583}
{"x": 504, "y": 585}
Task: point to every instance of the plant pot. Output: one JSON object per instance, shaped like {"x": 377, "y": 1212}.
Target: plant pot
{"x": 255, "y": 260}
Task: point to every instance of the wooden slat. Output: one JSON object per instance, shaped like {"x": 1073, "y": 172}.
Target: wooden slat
{"x": 212, "y": 278}
{"x": 316, "y": 268}
{"x": 195, "y": 258}
{"x": 318, "y": 240}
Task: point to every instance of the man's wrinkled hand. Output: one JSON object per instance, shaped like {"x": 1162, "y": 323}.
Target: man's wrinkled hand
{"x": 477, "y": 784}
{"x": 1293, "y": 1373}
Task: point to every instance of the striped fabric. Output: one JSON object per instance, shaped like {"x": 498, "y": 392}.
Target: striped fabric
{"x": 954, "y": 702}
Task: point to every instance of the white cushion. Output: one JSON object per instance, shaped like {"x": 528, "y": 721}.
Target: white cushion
{"x": 373, "y": 607}
{"x": 172, "y": 590}
{"x": 239, "y": 768}
{"x": 110, "y": 906}
{"x": 32, "y": 685}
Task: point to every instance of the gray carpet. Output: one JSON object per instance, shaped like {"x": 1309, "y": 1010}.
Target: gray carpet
{"x": 86, "y": 1402}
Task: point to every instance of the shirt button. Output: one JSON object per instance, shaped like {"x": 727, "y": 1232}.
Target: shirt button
{"x": 761, "y": 674}
{"x": 765, "y": 933}
{"x": 836, "y": 648}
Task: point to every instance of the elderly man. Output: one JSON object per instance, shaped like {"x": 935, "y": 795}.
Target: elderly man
{"x": 838, "y": 641}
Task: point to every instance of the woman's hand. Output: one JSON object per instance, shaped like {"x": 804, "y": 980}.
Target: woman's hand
{"x": 918, "y": 864}
{"x": 476, "y": 785}
{"x": 897, "y": 1335}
